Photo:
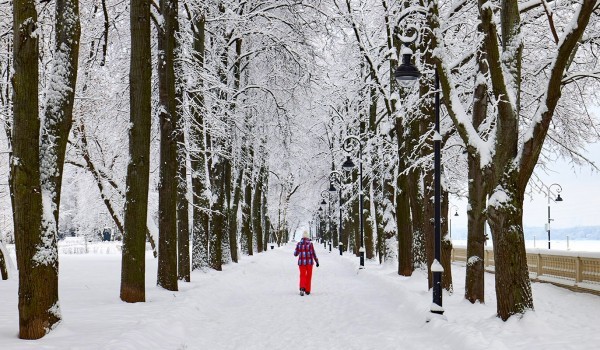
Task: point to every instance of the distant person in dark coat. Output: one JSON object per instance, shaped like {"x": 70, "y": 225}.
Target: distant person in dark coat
{"x": 305, "y": 251}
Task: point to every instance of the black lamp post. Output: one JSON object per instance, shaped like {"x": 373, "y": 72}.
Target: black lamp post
{"x": 558, "y": 199}
{"x": 337, "y": 177}
{"x": 315, "y": 222}
{"x": 325, "y": 194}
{"x": 405, "y": 74}
{"x": 320, "y": 220}
{"x": 348, "y": 165}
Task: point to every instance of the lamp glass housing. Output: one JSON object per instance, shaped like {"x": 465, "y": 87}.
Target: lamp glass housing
{"x": 407, "y": 73}
{"x": 332, "y": 189}
{"x": 348, "y": 164}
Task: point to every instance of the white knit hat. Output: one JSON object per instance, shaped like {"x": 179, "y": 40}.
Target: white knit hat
{"x": 305, "y": 234}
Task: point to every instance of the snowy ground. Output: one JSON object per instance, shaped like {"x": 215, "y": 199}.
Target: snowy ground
{"x": 255, "y": 305}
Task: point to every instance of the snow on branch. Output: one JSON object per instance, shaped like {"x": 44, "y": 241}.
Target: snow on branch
{"x": 536, "y": 134}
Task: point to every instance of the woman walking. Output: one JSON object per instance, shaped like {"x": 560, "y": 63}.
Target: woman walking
{"x": 305, "y": 251}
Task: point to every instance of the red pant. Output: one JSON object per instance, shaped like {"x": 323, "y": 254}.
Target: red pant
{"x": 305, "y": 276}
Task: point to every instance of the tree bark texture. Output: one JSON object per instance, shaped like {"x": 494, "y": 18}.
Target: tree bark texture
{"x": 38, "y": 278}
{"x": 513, "y": 287}
{"x": 257, "y": 216}
{"x": 183, "y": 230}
{"x": 389, "y": 192}
{"x": 264, "y": 210}
{"x": 58, "y": 113}
{"x": 232, "y": 219}
{"x": 167, "y": 188}
{"x": 247, "y": 217}
{"x": 198, "y": 161}
{"x": 446, "y": 246}
{"x": 138, "y": 168}
{"x": 475, "y": 270}
{"x": 34, "y": 302}
{"x": 218, "y": 222}
{"x": 368, "y": 221}
{"x": 428, "y": 224}
{"x": 3, "y": 269}
{"x": 416, "y": 209}
{"x": 405, "y": 255}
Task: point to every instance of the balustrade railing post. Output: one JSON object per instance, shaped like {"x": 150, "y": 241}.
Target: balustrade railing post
{"x": 578, "y": 270}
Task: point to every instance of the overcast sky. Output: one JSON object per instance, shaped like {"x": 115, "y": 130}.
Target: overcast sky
{"x": 580, "y": 193}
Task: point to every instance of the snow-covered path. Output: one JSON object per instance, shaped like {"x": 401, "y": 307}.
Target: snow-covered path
{"x": 255, "y": 305}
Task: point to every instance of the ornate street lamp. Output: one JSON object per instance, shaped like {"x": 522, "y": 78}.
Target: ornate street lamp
{"x": 325, "y": 194}
{"x": 350, "y": 144}
{"x": 407, "y": 73}
{"x": 558, "y": 199}
{"x": 336, "y": 176}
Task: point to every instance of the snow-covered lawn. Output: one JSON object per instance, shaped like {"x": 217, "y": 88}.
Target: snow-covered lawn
{"x": 255, "y": 305}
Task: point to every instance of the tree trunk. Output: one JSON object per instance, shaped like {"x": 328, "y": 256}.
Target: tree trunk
{"x": 475, "y": 271}
{"x": 368, "y": 223}
{"x": 138, "y": 168}
{"x": 417, "y": 209}
{"x": 167, "y": 187}
{"x": 233, "y": 220}
{"x": 3, "y": 269}
{"x": 183, "y": 231}
{"x": 405, "y": 238}
{"x": 218, "y": 227}
{"x": 229, "y": 241}
{"x": 247, "y": 216}
{"x": 38, "y": 277}
{"x": 505, "y": 215}
{"x": 198, "y": 161}
{"x": 257, "y": 217}
{"x": 58, "y": 113}
{"x": 390, "y": 206}
{"x": 446, "y": 246}
{"x": 428, "y": 224}
{"x": 264, "y": 209}
{"x": 183, "y": 221}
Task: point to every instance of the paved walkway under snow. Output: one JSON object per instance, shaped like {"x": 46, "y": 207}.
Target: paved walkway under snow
{"x": 255, "y": 305}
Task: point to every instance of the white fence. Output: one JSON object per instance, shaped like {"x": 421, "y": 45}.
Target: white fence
{"x": 578, "y": 271}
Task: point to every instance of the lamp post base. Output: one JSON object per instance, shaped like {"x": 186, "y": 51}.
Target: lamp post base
{"x": 362, "y": 258}
{"x": 341, "y": 246}
{"x": 434, "y": 315}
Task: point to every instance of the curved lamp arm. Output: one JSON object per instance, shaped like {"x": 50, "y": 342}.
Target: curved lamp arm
{"x": 455, "y": 208}
{"x": 335, "y": 176}
{"x": 558, "y": 191}
{"x": 350, "y": 146}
